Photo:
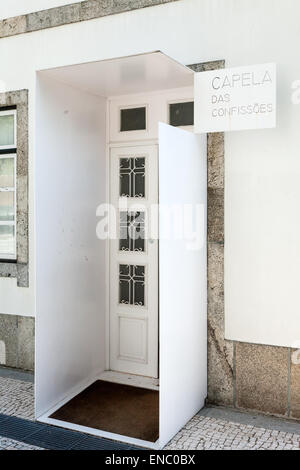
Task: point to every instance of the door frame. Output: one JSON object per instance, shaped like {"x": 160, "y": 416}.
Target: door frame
{"x": 110, "y": 146}
{"x": 150, "y": 259}
{"x": 166, "y": 97}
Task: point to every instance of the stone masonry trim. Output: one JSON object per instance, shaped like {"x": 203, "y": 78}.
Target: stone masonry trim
{"x": 17, "y": 341}
{"x": 220, "y": 351}
{"x": 72, "y": 13}
{"x": 19, "y": 269}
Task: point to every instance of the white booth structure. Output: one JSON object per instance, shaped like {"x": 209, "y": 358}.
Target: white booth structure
{"x": 131, "y": 314}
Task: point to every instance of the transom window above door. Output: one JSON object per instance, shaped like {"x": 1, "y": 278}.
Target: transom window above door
{"x": 181, "y": 114}
{"x": 133, "y": 119}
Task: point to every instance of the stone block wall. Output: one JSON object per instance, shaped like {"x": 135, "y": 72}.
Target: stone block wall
{"x": 17, "y": 342}
{"x": 240, "y": 375}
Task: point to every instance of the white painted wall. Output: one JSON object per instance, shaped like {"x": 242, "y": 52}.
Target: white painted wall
{"x": 9, "y": 8}
{"x": 262, "y": 167}
{"x": 71, "y": 293}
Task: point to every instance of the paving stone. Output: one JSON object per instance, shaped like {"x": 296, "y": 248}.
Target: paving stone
{"x": 26, "y": 327}
{"x": 9, "y": 339}
{"x": 17, "y": 398}
{"x": 295, "y": 384}
{"x": 71, "y": 13}
{"x": 220, "y": 351}
{"x": 12, "y": 26}
{"x": 215, "y": 215}
{"x": 233, "y": 436}
{"x": 53, "y": 17}
{"x": 17, "y": 340}
{"x": 262, "y": 378}
{"x": 11, "y": 444}
{"x": 215, "y": 279}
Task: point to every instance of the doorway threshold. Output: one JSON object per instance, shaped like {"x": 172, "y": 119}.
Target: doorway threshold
{"x": 113, "y": 411}
{"x": 130, "y": 379}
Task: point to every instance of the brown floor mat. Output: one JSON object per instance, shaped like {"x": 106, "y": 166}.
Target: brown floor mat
{"x": 120, "y": 409}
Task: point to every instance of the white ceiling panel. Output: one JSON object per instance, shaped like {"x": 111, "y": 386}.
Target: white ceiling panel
{"x": 126, "y": 75}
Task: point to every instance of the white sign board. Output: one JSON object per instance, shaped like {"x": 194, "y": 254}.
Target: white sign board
{"x": 235, "y": 99}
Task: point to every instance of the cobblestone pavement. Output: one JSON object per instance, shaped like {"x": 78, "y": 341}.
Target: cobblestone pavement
{"x": 202, "y": 432}
{"x": 10, "y": 444}
{"x": 207, "y": 433}
{"x": 16, "y": 398}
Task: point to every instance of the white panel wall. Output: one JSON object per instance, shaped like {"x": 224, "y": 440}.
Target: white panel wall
{"x": 70, "y": 260}
{"x": 182, "y": 279}
{"x": 262, "y": 226}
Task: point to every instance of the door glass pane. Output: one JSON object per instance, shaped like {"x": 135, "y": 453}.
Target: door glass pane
{"x": 132, "y": 231}
{"x": 7, "y": 240}
{"x": 132, "y": 284}
{"x": 133, "y": 119}
{"x": 132, "y": 177}
{"x": 7, "y": 209}
{"x": 7, "y": 172}
{"x": 7, "y": 133}
{"x": 182, "y": 114}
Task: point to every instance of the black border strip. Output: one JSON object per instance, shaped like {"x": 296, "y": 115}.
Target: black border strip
{"x": 7, "y": 151}
{"x": 7, "y": 108}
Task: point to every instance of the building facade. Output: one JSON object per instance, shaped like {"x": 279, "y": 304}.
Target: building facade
{"x": 252, "y": 176}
